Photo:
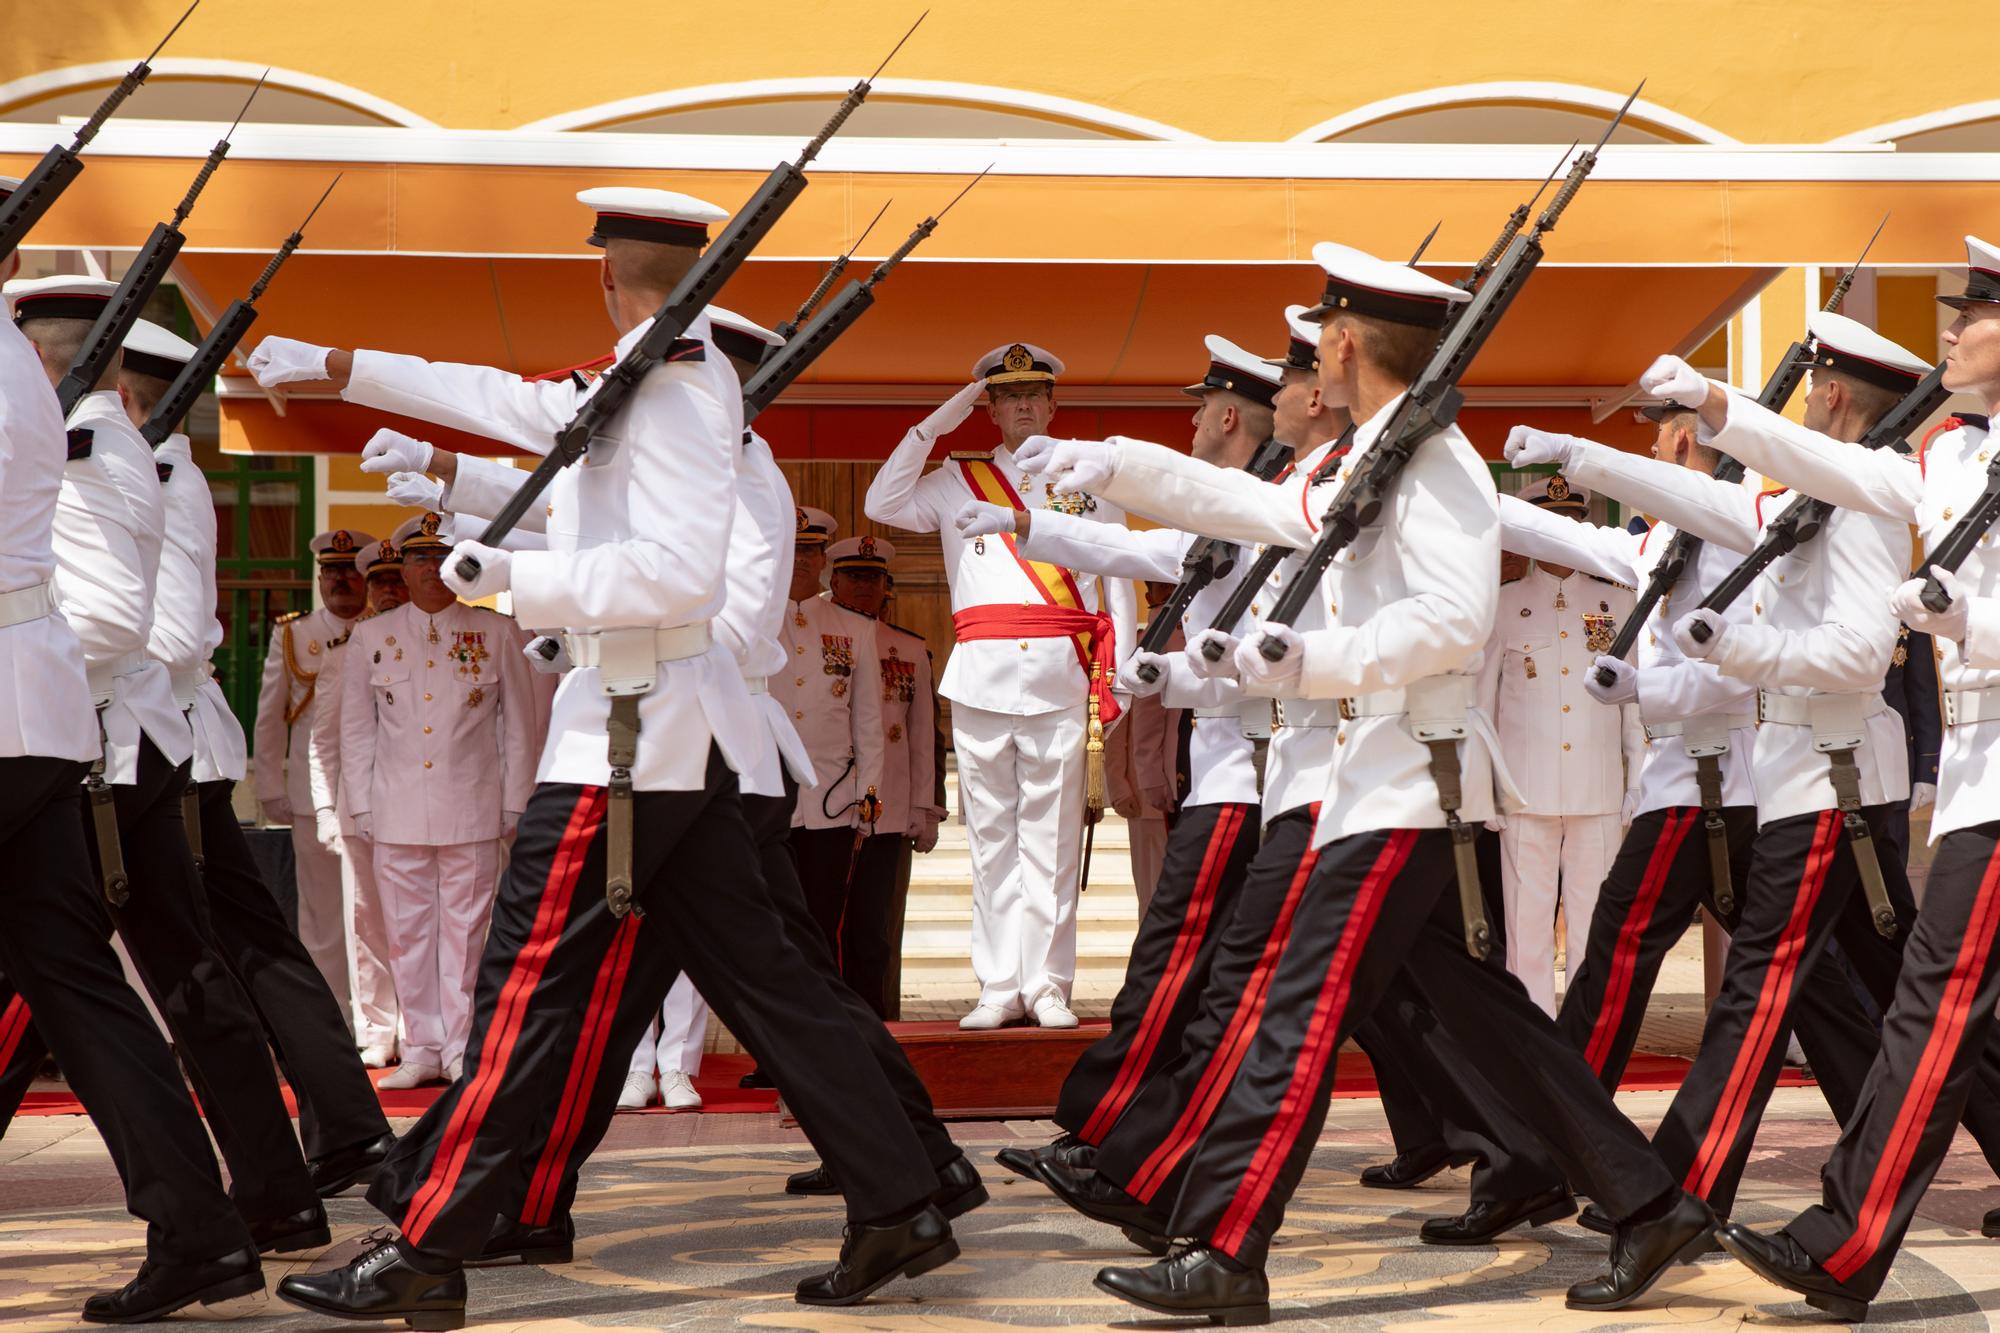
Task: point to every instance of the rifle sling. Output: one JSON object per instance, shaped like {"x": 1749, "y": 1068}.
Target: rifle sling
{"x": 1451, "y": 795}
{"x": 104, "y": 819}
{"x": 622, "y": 735}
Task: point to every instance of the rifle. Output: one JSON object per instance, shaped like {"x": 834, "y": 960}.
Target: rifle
{"x": 787, "y": 363}
{"x": 1260, "y": 573}
{"x": 826, "y": 281}
{"x": 1685, "y": 546}
{"x": 222, "y": 339}
{"x": 59, "y": 166}
{"x": 141, "y": 280}
{"x": 693, "y": 294}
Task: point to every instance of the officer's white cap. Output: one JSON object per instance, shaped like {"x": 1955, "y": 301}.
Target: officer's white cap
{"x": 1357, "y": 283}
{"x": 660, "y": 216}
{"x": 1234, "y": 370}
{"x": 861, "y": 553}
{"x": 152, "y": 350}
{"x": 815, "y": 527}
{"x": 1849, "y": 346}
{"x": 64, "y": 296}
{"x": 1018, "y": 363}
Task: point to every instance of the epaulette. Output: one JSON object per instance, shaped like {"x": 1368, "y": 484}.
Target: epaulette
{"x": 288, "y": 617}
{"x": 970, "y": 455}
{"x": 685, "y": 350}
{"x": 80, "y": 438}
{"x": 900, "y": 629}
{"x": 1599, "y": 578}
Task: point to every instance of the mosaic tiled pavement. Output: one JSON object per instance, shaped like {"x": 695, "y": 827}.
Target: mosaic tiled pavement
{"x": 684, "y": 1226}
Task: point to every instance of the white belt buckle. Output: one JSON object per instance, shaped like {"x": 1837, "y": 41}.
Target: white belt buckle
{"x": 626, "y": 661}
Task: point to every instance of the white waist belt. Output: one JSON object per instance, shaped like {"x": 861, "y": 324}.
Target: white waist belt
{"x": 1837, "y": 720}
{"x": 103, "y": 674}
{"x": 1307, "y": 712}
{"x": 1231, "y": 711}
{"x": 1434, "y": 699}
{"x": 187, "y": 685}
{"x": 25, "y": 604}
{"x": 757, "y": 684}
{"x": 1702, "y": 727}
{"x": 1962, "y": 708}
{"x": 594, "y": 648}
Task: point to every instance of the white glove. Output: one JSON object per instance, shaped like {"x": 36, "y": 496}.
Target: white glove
{"x": 392, "y": 451}
{"x": 495, "y": 570}
{"x": 1527, "y": 447}
{"x": 541, "y": 660}
{"x": 951, "y": 414}
{"x": 1923, "y": 795}
{"x": 1034, "y": 453}
{"x": 1254, "y": 666}
{"x": 510, "y": 822}
{"x": 413, "y": 490}
{"x": 364, "y": 826}
{"x": 1078, "y": 467}
{"x": 1223, "y": 667}
{"x": 1951, "y": 623}
{"x": 277, "y": 810}
{"x": 1675, "y": 380}
{"x": 1629, "y": 811}
{"x": 327, "y": 828}
{"x": 1131, "y": 682}
{"x": 980, "y": 519}
{"x": 286, "y": 360}
{"x": 1692, "y": 647}
{"x": 925, "y": 838}
{"x": 1624, "y": 687}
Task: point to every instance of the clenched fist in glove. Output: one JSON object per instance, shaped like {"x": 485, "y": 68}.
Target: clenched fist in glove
{"x": 980, "y": 519}
{"x": 1220, "y": 668}
{"x": 1951, "y": 623}
{"x": 1699, "y": 649}
{"x": 1073, "y": 467}
{"x": 496, "y": 573}
{"x": 1261, "y": 670}
{"x": 286, "y": 361}
{"x": 1528, "y": 447}
{"x": 1624, "y": 686}
{"x": 1675, "y": 380}
{"x": 1132, "y": 683}
{"x": 413, "y": 490}
{"x": 392, "y": 451}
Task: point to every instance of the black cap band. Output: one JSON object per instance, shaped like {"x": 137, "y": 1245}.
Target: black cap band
{"x": 1893, "y": 378}
{"x": 60, "y": 305}
{"x": 1982, "y": 287}
{"x": 1346, "y": 298}
{"x": 159, "y": 367}
{"x": 1231, "y": 379}
{"x": 660, "y": 231}
{"x": 736, "y": 343}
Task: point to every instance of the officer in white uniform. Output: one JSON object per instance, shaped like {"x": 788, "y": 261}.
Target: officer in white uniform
{"x": 1019, "y": 681}
{"x": 1573, "y": 760}
{"x": 299, "y": 647}
{"x": 435, "y": 770}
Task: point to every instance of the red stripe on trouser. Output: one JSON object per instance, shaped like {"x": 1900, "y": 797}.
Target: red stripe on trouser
{"x": 605, "y": 993}
{"x": 13, "y": 1023}
{"x": 1947, "y": 1031}
{"x": 1229, "y": 1052}
{"x": 1322, "y": 1040}
{"x": 1173, "y": 980}
{"x": 1773, "y": 997}
{"x": 1625, "y": 953}
{"x": 455, "y": 1143}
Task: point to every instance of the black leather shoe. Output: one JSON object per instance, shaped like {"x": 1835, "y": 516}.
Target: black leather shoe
{"x": 383, "y": 1284}
{"x": 756, "y": 1078}
{"x": 1779, "y": 1259}
{"x": 872, "y": 1256}
{"x": 1642, "y": 1253}
{"x": 340, "y": 1171}
{"x": 960, "y": 1190}
{"x": 511, "y": 1242}
{"x": 1194, "y": 1280}
{"x": 1484, "y": 1221}
{"x": 303, "y": 1230}
{"x": 1410, "y": 1170}
{"x": 161, "y": 1289}
{"x": 1069, "y": 1150}
{"x": 819, "y": 1180}
{"x": 1990, "y": 1227}
{"x": 1101, "y": 1201}
{"x": 1593, "y": 1218}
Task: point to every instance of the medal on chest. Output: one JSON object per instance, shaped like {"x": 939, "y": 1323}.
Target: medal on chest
{"x": 899, "y": 680}
{"x": 1599, "y": 629}
{"x": 477, "y": 697}
{"x": 1067, "y": 504}
{"x": 468, "y": 650}
{"x": 836, "y": 659}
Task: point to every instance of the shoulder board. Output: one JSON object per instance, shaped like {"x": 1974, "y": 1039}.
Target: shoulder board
{"x": 335, "y": 643}
{"x": 970, "y": 455}
{"x": 367, "y": 613}
{"x": 1599, "y": 578}
{"x": 686, "y": 349}
{"x": 165, "y": 470}
{"x": 289, "y": 617}
{"x": 900, "y": 629}
{"x": 80, "y": 438}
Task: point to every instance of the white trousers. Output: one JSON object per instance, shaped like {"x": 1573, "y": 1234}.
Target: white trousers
{"x": 323, "y": 915}
{"x": 1020, "y": 792}
{"x": 436, "y": 901}
{"x": 1543, "y": 858}
{"x": 674, "y": 1040}
{"x": 1148, "y": 835}
{"x": 376, "y": 1018}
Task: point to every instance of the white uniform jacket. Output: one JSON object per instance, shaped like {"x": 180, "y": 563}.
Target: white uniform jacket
{"x": 185, "y": 630}
{"x": 323, "y": 745}
{"x": 638, "y": 538}
{"x": 1410, "y": 600}
{"x": 1672, "y": 688}
{"x": 909, "y": 721}
{"x": 110, "y": 526}
{"x": 435, "y": 725}
{"x": 1930, "y": 491}
{"x": 1221, "y": 757}
{"x": 761, "y": 545}
{"x": 1023, "y": 677}
{"x": 298, "y": 652}
{"x": 832, "y": 683}
{"x": 44, "y": 701}
{"x": 1819, "y": 621}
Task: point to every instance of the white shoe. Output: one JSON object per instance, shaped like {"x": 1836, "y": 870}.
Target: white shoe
{"x": 986, "y": 1018}
{"x": 379, "y": 1056}
{"x": 454, "y": 1068}
{"x": 410, "y": 1075}
{"x": 637, "y": 1094}
{"x": 677, "y": 1091}
{"x": 1052, "y": 1012}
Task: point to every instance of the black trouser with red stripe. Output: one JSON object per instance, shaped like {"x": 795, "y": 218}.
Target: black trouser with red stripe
{"x": 52, "y": 945}
{"x": 1208, "y": 853}
{"x": 1934, "y": 1041}
{"x": 170, "y": 935}
{"x": 551, "y": 1182}
{"x": 1376, "y": 903}
{"x": 1802, "y": 890}
{"x": 556, "y": 972}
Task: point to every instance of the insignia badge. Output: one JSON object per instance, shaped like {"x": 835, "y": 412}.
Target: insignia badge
{"x": 1900, "y": 656}
{"x": 378, "y": 655}
{"x": 428, "y": 524}
{"x": 1526, "y": 612}
{"x": 1528, "y": 664}
{"x": 390, "y": 641}
{"x": 979, "y": 546}
{"x": 895, "y": 732}
{"x": 1599, "y": 631}
{"x": 1558, "y": 488}
{"x": 867, "y": 548}
{"x": 799, "y": 518}
{"x": 799, "y": 619}
{"x": 477, "y": 697}
{"x": 341, "y": 543}
{"x": 312, "y": 647}
{"x": 839, "y": 688}
{"x": 1018, "y": 358}
{"x": 388, "y": 696}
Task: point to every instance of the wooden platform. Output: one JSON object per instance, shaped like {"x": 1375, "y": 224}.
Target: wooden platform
{"x": 1004, "y": 1074}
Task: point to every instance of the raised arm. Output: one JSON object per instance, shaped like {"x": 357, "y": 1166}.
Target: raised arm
{"x": 1873, "y": 481}
{"x": 1723, "y": 512}
{"x": 1170, "y": 487}
{"x": 479, "y": 399}
{"x": 1110, "y": 549}
{"x": 894, "y": 496}
{"x": 1530, "y": 530}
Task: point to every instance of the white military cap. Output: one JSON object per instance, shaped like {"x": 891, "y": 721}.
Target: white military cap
{"x": 815, "y": 526}
{"x": 743, "y": 339}
{"x": 152, "y": 350}
{"x": 1851, "y": 347}
{"x": 661, "y": 216}
{"x": 1555, "y": 493}
{"x": 861, "y": 553}
{"x": 1357, "y": 283}
{"x": 1234, "y": 370}
{"x": 1302, "y": 341}
{"x": 376, "y": 556}
{"x": 1018, "y": 363}
{"x": 61, "y": 297}
{"x": 428, "y": 530}
{"x": 339, "y": 546}
{"x": 1982, "y": 278}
